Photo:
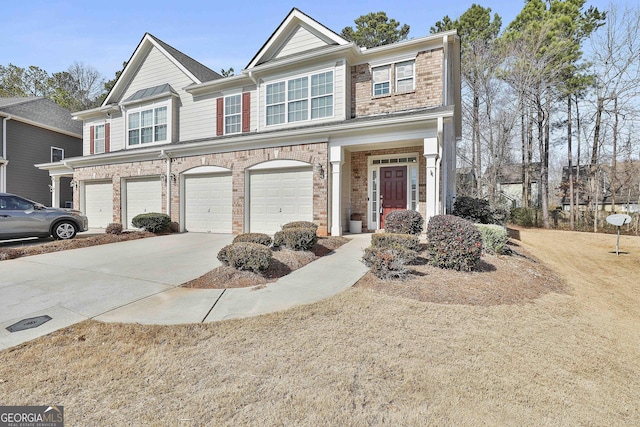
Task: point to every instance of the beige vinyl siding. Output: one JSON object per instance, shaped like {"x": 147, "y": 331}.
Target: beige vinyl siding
{"x": 300, "y": 41}
{"x": 116, "y": 134}
{"x": 339, "y": 93}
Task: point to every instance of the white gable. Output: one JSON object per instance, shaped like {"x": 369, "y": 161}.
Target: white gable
{"x": 297, "y": 33}
{"x": 300, "y": 40}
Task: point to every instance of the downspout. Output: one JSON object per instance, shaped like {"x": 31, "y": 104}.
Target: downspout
{"x": 3, "y": 177}
{"x": 168, "y": 179}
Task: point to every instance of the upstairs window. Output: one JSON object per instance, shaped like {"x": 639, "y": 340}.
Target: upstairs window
{"x": 98, "y": 139}
{"x": 300, "y": 99}
{"x": 233, "y": 114}
{"x": 57, "y": 154}
{"x": 405, "y": 77}
{"x": 147, "y": 125}
{"x": 381, "y": 81}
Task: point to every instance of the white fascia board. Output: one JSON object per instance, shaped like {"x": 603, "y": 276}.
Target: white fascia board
{"x": 310, "y": 135}
{"x": 382, "y": 53}
{"x": 55, "y": 168}
{"x": 95, "y": 112}
{"x": 349, "y": 51}
{"x": 219, "y": 84}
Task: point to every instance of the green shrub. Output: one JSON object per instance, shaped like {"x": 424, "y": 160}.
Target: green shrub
{"x": 113, "y": 228}
{"x": 479, "y": 211}
{"x": 404, "y": 222}
{"x": 387, "y": 263}
{"x": 246, "y": 256}
{"x": 494, "y": 237}
{"x": 301, "y": 224}
{"x": 297, "y": 239}
{"x": 260, "y": 238}
{"x": 453, "y": 243}
{"x": 152, "y": 221}
{"x": 524, "y": 217}
{"x": 390, "y": 240}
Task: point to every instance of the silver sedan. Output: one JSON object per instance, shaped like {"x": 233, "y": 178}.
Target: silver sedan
{"x": 20, "y": 217}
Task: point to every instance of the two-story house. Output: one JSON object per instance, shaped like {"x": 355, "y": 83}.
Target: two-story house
{"x": 36, "y": 130}
{"x": 314, "y": 128}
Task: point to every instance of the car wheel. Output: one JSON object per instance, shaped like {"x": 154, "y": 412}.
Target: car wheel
{"x": 64, "y": 230}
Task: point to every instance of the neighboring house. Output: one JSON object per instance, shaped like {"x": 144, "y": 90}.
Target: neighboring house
{"x": 596, "y": 185}
{"x": 36, "y": 130}
{"x": 509, "y": 183}
{"x": 314, "y": 128}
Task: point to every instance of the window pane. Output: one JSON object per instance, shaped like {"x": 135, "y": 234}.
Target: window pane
{"x": 56, "y": 154}
{"x": 298, "y": 89}
{"x": 381, "y": 74}
{"x": 146, "y": 135}
{"x": 161, "y": 133}
{"x": 134, "y": 120}
{"x": 404, "y": 76}
{"x": 381, "y": 88}
{"x": 322, "y": 84}
{"x": 275, "y": 114}
{"x": 134, "y": 137}
{"x": 275, "y": 93}
{"x": 232, "y": 105}
{"x": 404, "y": 85}
{"x": 322, "y": 107}
{"x": 147, "y": 118}
{"x": 161, "y": 115}
{"x": 99, "y": 132}
{"x": 298, "y": 110}
{"x": 232, "y": 124}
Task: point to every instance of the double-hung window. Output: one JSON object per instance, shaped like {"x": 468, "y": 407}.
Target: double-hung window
{"x": 404, "y": 76}
{"x": 300, "y": 99}
{"x": 98, "y": 139}
{"x": 233, "y": 114}
{"x": 381, "y": 80}
{"x": 147, "y": 125}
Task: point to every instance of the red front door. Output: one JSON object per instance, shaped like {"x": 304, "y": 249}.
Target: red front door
{"x": 393, "y": 190}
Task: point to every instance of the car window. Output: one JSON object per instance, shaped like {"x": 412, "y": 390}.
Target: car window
{"x": 14, "y": 203}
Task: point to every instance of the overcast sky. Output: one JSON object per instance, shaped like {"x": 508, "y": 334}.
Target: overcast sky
{"x": 53, "y": 34}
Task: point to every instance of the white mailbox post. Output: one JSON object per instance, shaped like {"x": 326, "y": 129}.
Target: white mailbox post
{"x": 618, "y": 220}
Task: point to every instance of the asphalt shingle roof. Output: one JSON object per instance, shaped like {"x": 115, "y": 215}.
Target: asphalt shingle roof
{"x": 40, "y": 110}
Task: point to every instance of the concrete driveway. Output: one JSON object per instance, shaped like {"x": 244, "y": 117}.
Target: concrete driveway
{"x": 71, "y": 286}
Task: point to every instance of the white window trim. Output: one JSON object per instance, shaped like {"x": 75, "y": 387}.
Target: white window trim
{"x": 96, "y": 139}
{"x": 373, "y": 82}
{"x": 308, "y": 97}
{"x": 224, "y": 113}
{"x": 56, "y": 148}
{"x": 374, "y": 225}
{"x": 150, "y": 106}
{"x": 413, "y": 76}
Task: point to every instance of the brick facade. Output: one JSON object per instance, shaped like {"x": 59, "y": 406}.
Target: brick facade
{"x": 428, "y": 92}
{"x": 238, "y": 162}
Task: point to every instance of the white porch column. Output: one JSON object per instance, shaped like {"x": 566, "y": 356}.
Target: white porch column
{"x": 55, "y": 191}
{"x": 431, "y": 154}
{"x": 336, "y": 158}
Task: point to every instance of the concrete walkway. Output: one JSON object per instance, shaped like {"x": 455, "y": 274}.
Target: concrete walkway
{"x": 138, "y": 282}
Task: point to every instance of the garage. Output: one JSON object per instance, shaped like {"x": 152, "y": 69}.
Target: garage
{"x": 208, "y": 203}
{"x": 279, "y": 196}
{"x": 142, "y": 196}
{"x": 98, "y": 203}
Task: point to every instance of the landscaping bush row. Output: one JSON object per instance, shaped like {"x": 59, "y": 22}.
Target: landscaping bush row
{"x": 479, "y": 211}
{"x": 252, "y": 251}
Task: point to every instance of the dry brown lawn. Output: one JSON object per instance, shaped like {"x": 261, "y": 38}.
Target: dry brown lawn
{"x": 566, "y": 354}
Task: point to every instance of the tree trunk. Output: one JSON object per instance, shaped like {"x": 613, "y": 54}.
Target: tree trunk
{"x": 596, "y": 132}
{"x": 613, "y": 181}
{"x": 544, "y": 162}
{"x": 476, "y": 137}
{"x": 570, "y": 162}
{"x": 577, "y": 189}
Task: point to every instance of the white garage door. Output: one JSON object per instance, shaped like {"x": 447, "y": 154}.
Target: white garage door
{"x": 278, "y": 197}
{"x": 208, "y": 203}
{"x": 98, "y": 203}
{"x": 143, "y": 196}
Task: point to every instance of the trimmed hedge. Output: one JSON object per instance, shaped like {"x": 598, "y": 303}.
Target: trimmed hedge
{"x": 387, "y": 263}
{"x": 404, "y": 222}
{"x": 297, "y": 239}
{"x": 494, "y": 237}
{"x": 260, "y": 238}
{"x": 153, "y": 221}
{"x": 113, "y": 228}
{"x": 390, "y": 240}
{"x": 453, "y": 243}
{"x": 246, "y": 256}
{"x": 301, "y": 224}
